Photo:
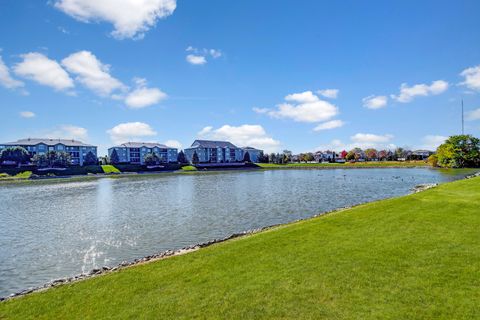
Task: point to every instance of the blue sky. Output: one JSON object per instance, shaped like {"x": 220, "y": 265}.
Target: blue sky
{"x": 253, "y": 72}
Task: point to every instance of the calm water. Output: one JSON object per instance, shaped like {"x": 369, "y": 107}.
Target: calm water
{"x": 55, "y": 230}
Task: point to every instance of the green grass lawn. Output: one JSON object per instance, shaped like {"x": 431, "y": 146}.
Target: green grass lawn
{"x": 110, "y": 169}
{"x": 414, "y": 257}
{"x": 370, "y": 164}
{"x": 19, "y": 176}
{"x": 189, "y": 168}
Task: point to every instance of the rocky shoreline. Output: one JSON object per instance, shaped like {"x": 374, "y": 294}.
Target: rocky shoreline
{"x": 170, "y": 253}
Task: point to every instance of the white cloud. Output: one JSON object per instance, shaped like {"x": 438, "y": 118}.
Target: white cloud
{"x": 242, "y": 136}
{"x": 27, "y": 114}
{"x": 473, "y": 115}
{"x": 371, "y": 138}
{"x": 407, "y": 93}
{"x": 329, "y": 125}
{"x": 130, "y": 18}
{"x": 431, "y": 142}
{"x": 361, "y": 140}
{"x": 130, "y": 131}
{"x": 68, "y": 132}
{"x": 199, "y": 56}
{"x": 92, "y": 73}
{"x": 6, "y": 79}
{"x": 375, "y": 102}
{"x": 472, "y": 78}
{"x": 173, "y": 144}
{"x": 261, "y": 110}
{"x": 303, "y": 97}
{"x": 142, "y": 96}
{"x": 39, "y": 68}
{"x": 215, "y": 53}
{"x": 329, "y": 93}
{"x": 303, "y": 107}
{"x": 205, "y": 131}
{"x": 196, "y": 60}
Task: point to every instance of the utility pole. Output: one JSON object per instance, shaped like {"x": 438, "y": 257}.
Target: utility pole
{"x": 463, "y": 127}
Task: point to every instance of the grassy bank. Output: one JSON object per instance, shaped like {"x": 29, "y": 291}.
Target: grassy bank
{"x": 17, "y": 177}
{"x": 370, "y": 164}
{"x": 412, "y": 257}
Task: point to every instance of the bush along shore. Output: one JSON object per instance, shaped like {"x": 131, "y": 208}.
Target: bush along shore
{"x": 170, "y": 253}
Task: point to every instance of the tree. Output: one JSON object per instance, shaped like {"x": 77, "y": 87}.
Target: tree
{"x": 114, "y": 157}
{"x": 309, "y": 157}
{"x": 195, "y": 158}
{"x": 272, "y": 158}
{"x": 262, "y": 158}
{"x": 246, "y": 157}
{"x": 433, "y": 160}
{"x": 354, "y": 154}
{"x": 181, "y": 157}
{"x": 15, "y": 154}
{"x": 343, "y": 154}
{"x": 371, "y": 153}
{"x": 62, "y": 159}
{"x": 459, "y": 152}
{"x": 399, "y": 153}
{"x": 90, "y": 159}
{"x": 382, "y": 155}
{"x": 40, "y": 160}
{"x": 151, "y": 159}
{"x": 350, "y": 155}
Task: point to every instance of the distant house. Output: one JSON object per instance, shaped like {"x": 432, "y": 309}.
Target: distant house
{"x": 421, "y": 154}
{"x": 77, "y": 149}
{"x": 134, "y": 152}
{"x": 324, "y": 156}
{"x": 209, "y": 151}
{"x": 253, "y": 153}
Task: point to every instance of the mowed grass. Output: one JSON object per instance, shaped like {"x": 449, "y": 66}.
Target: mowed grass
{"x": 189, "y": 168}
{"x": 19, "y": 176}
{"x": 368, "y": 164}
{"x": 110, "y": 169}
{"x": 414, "y": 257}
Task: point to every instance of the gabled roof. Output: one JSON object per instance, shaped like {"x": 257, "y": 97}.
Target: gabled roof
{"x": 421, "y": 151}
{"x": 48, "y": 142}
{"x": 213, "y": 144}
{"x": 251, "y": 148}
{"x": 143, "y": 144}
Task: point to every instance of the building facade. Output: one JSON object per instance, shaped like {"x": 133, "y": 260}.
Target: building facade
{"x": 77, "y": 149}
{"x": 253, "y": 153}
{"x": 134, "y": 152}
{"x": 214, "y": 152}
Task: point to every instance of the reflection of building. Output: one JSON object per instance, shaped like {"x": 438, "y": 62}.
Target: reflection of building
{"x": 253, "y": 153}
{"x": 214, "y": 152}
{"x": 77, "y": 150}
{"x": 134, "y": 152}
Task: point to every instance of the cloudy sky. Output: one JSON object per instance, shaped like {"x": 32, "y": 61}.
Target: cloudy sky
{"x": 273, "y": 74}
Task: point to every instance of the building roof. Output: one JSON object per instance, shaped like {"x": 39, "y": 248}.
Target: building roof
{"x": 421, "y": 151}
{"x": 143, "y": 144}
{"x": 251, "y": 148}
{"x": 48, "y": 142}
{"x": 213, "y": 144}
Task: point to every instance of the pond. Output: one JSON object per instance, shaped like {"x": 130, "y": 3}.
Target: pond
{"x": 53, "y": 230}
